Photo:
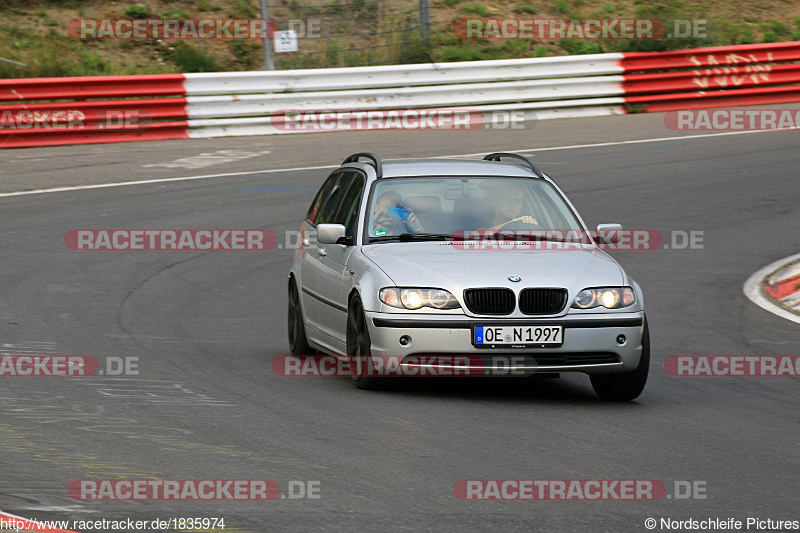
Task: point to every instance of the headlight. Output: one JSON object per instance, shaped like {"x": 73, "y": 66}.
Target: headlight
{"x": 413, "y": 298}
{"x": 608, "y": 297}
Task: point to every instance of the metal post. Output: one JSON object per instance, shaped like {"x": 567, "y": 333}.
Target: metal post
{"x": 268, "y": 63}
{"x": 425, "y": 21}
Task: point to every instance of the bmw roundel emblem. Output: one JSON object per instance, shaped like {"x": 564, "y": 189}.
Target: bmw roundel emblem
{"x": 514, "y": 279}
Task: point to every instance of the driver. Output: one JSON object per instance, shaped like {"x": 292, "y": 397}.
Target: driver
{"x": 507, "y": 204}
{"x": 388, "y": 223}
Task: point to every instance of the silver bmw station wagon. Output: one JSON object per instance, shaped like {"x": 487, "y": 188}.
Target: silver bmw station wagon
{"x": 433, "y": 262}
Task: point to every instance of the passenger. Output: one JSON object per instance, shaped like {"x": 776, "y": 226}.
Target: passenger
{"x": 392, "y": 218}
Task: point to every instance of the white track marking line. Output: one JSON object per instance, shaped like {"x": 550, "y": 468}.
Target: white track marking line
{"x": 159, "y": 180}
{"x": 298, "y": 169}
{"x": 752, "y": 289}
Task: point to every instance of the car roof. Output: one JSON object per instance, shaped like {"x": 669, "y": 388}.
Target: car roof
{"x": 449, "y": 167}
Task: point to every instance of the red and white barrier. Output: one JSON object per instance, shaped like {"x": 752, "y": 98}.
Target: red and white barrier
{"x": 52, "y": 111}
{"x": 776, "y": 288}
{"x": 783, "y": 286}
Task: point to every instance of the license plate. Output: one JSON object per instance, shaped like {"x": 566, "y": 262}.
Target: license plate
{"x": 517, "y": 336}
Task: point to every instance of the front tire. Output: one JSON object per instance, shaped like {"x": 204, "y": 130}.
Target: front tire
{"x": 298, "y": 343}
{"x": 625, "y": 386}
{"x": 359, "y": 349}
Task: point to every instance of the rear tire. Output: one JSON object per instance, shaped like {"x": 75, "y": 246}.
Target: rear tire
{"x": 359, "y": 349}
{"x": 625, "y": 386}
{"x": 298, "y": 343}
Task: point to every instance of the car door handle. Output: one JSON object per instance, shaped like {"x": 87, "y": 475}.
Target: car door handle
{"x": 321, "y": 251}
{"x": 306, "y": 243}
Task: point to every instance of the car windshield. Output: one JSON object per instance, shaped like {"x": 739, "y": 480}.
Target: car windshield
{"x": 446, "y": 207}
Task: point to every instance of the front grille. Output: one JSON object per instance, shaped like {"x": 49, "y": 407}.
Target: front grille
{"x": 542, "y": 301}
{"x": 490, "y": 301}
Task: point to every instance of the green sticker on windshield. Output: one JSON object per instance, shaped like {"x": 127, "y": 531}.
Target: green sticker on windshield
{"x": 381, "y": 231}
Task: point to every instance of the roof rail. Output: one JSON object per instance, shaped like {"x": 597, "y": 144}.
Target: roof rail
{"x": 375, "y": 160}
{"x": 528, "y": 161}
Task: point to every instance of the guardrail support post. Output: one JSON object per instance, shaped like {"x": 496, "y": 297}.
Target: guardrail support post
{"x": 425, "y": 21}
{"x": 268, "y": 63}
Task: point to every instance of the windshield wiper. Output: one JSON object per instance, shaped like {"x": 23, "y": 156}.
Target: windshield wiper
{"x": 408, "y": 237}
{"x": 511, "y": 236}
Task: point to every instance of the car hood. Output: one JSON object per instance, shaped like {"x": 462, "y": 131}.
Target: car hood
{"x": 446, "y": 266}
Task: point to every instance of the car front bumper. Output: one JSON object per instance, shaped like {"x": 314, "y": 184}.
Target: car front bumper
{"x": 590, "y": 343}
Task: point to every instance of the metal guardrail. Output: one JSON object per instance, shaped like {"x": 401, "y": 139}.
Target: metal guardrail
{"x": 354, "y": 78}
{"x": 46, "y": 111}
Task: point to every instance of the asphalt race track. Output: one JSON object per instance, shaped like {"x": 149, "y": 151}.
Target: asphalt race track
{"x": 204, "y": 326}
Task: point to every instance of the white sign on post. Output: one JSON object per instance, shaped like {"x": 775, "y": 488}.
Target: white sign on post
{"x": 285, "y": 41}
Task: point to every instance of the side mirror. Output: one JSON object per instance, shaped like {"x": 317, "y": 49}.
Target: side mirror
{"x": 329, "y": 233}
{"x": 608, "y": 233}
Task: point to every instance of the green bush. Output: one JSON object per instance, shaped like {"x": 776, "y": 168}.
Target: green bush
{"x": 69, "y": 4}
{"x": 478, "y": 9}
{"x": 769, "y": 37}
{"x": 332, "y": 52}
{"x": 192, "y": 59}
{"x": 516, "y": 48}
{"x": 460, "y": 53}
{"x": 52, "y": 56}
{"x": 526, "y": 9}
{"x": 745, "y": 35}
{"x": 446, "y": 39}
{"x": 174, "y": 12}
{"x": 575, "y": 47}
{"x": 660, "y": 11}
{"x": 415, "y": 50}
{"x": 137, "y": 11}
{"x": 247, "y": 52}
{"x": 780, "y": 29}
{"x": 243, "y": 9}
